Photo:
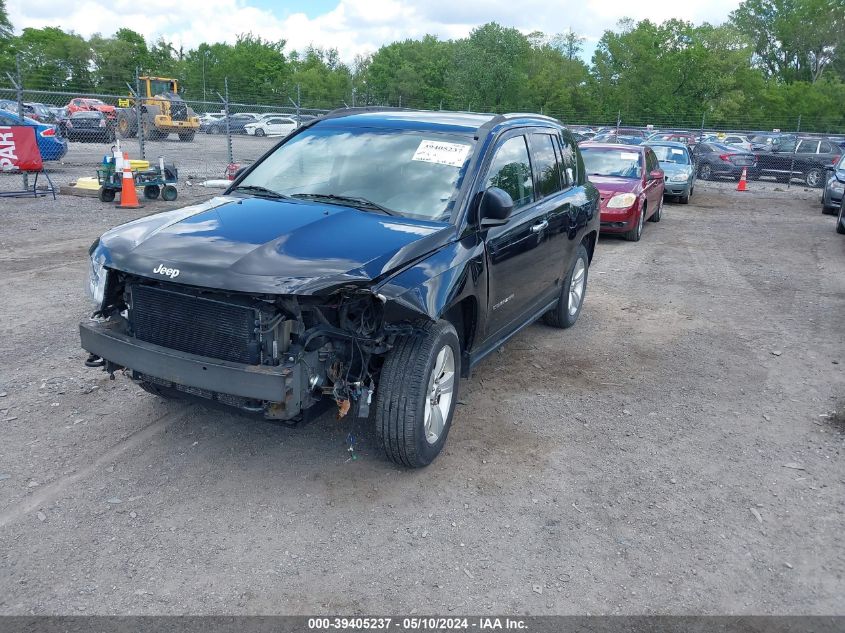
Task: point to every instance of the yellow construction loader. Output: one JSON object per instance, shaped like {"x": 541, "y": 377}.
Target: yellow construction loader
{"x": 163, "y": 111}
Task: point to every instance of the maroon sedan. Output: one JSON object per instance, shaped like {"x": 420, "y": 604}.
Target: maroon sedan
{"x": 630, "y": 182}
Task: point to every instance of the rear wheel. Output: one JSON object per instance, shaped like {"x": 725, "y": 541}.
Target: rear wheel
{"x": 826, "y": 210}
{"x": 814, "y": 178}
{"x": 573, "y": 290}
{"x": 169, "y": 193}
{"x": 705, "y": 172}
{"x": 151, "y": 192}
{"x": 106, "y": 195}
{"x": 417, "y": 392}
{"x": 259, "y": 131}
{"x": 124, "y": 126}
{"x": 186, "y": 137}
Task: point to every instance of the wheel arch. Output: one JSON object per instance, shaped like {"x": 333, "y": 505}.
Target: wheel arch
{"x": 589, "y": 242}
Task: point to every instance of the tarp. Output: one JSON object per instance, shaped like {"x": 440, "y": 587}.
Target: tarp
{"x": 19, "y": 149}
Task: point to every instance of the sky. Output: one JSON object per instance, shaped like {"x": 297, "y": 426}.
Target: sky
{"x": 352, "y": 26}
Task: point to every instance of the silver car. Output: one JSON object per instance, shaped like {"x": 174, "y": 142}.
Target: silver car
{"x": 678, "y": 167}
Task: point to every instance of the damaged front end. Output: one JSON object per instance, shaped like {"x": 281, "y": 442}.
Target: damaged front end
{"x": 280, "y": 356}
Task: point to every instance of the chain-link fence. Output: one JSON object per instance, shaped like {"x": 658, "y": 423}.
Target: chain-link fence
{"x": 202, "y": 138}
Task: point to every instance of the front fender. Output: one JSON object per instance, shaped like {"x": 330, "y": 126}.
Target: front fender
{"x": 429, "y": 287}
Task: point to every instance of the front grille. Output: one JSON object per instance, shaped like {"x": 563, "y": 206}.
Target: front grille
{"x": 194, "y": 325}
{"x": 178, "y": 111}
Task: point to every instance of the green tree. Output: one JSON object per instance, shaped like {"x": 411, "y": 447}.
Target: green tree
{"x": 54, "y": 60}
{"x": 793, "y": 40}
{"x": 490, "y": 69}
{"x": 414, "y": 71}
{"x": 117, "y": 58}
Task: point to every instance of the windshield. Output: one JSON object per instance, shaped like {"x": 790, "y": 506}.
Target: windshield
{"x": 415, "y": 174}
{"x": 611, "y": 162}
{"x": 668, "y": 154}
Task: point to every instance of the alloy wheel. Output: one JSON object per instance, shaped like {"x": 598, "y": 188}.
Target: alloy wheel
{"x": 576, "y": 286}
{"x": 441, "y": 387}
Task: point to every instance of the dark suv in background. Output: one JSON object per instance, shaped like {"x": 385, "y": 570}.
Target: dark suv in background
{"x": 806, "y": 159}
{"x": 366, "y": 263}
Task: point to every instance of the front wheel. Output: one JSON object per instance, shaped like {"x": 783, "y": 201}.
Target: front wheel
{"x": 659, "y": 213}
{"x": 417, "y": 392}
{"x": 259, "y": 131}
{"x": 573, "y": 289}
{"x": 705, "y": 172}
{"x": 635, "y": 233}
{"x": 840, "y": 219}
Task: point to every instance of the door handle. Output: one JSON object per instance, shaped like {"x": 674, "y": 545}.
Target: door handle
{"x": 540, "y": 226}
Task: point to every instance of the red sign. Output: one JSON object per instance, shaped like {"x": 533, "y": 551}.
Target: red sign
{"x": 18, "y": 149}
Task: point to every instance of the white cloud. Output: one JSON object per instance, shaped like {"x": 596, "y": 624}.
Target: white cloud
{"x": 353, "y": 26}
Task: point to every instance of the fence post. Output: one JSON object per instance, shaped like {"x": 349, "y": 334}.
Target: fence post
{"x": 138, "y": 116}
{"x": 701, "y": 133}
{"x": 618, "y": 121}
{"x": 298, "y": 105}
{"x": 228, "y": 128}
{"x": 18, "y": 82}
{"x": 794, "y": 149}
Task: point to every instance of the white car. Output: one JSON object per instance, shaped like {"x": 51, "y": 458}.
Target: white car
{"x": 737, "y": 140}
{"x": 271, "y": 126}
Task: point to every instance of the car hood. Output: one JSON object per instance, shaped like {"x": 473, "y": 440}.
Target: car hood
{"x": 614, "y": 184}
{"x": 270, "y": 246}
{"x": 103, "y": 108}
{"x": 670, "y": 169}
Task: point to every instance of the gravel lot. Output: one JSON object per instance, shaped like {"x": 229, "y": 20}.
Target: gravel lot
{"x": 675, "y": 452}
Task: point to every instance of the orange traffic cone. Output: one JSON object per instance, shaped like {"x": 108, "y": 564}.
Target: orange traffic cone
{"x": 742, "y": 181}
{"x": 128, "y": 195}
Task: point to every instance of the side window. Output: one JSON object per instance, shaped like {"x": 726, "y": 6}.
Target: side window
{"x": 546, "y": 167}
{"x": 825, "y": 148}
{"x": 807, "y": 147}
{"x": 568, "y": 162}
{"x": 511, "y": 170}
{"x": 650, "y": 161}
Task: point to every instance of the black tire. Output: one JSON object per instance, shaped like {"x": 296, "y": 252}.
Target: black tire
{"x": 124, "y": 127}
{"x": 186, "y": 137}
{"x": 169, "y": 193}
{"x": 403, "y": 391}
{"x": 106, "y": 195}
{"x": 259, "y": 131}
{"x": 151, "y": 192}
{"x": 636, "y": 233}
{"x": 814, "y": 178}
{"x": 826, "y": 210}
{"x": 839, "y": 219}
{"x": 561, "y": 316}
{"x": 705, "y": 172}
{"x": 658, "y": 215}
{"x": 684, "y": 199}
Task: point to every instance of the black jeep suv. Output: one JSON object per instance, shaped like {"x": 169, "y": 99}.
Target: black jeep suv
{"x": 366, "y": 262}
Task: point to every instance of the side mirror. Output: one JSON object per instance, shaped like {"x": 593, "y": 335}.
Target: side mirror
{"x": 656, "y": 174}
{"x": 495, "y": 207}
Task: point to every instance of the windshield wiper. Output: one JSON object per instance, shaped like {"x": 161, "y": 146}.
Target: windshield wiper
{"x": 350, "y": 201}
{"x": 261, "y": 192}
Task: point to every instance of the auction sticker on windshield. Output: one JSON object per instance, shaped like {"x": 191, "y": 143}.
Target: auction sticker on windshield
{"x": 442, "y": 153}
{"x": 630, "y": 156}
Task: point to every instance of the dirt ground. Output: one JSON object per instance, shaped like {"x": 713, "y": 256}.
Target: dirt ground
{"x": 675, "y": 452}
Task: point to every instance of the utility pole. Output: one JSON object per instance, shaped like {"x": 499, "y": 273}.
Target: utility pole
{"x": 138, "y": 115}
